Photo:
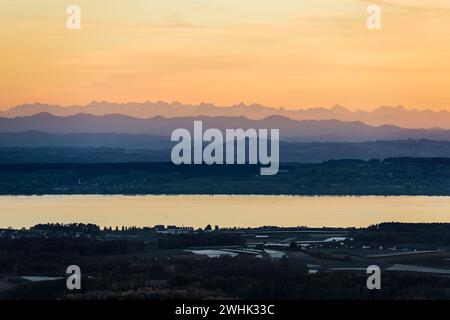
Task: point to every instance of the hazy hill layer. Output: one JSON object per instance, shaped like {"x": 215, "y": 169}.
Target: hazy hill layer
{"x": 290, "y": 130}
{"x": 398, "y": 116}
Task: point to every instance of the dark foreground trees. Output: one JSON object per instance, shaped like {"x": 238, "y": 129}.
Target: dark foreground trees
{"x": 229, "y": 278}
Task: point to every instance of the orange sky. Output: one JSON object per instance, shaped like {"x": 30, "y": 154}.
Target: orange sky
{"x": 292, "y": 53}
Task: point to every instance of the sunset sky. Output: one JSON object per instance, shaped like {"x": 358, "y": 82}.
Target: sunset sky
{"x": 291, "y": 53}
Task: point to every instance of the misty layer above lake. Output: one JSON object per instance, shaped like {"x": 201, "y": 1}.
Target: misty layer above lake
{"x": 39, "y": 147}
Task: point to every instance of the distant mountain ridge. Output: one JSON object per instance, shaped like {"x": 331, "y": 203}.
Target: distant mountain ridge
{"x": 398, "y": 116}
{"x": 290, "y": 130}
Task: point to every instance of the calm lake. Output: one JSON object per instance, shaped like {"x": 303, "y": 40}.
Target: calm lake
{"x": 225, "y": 211}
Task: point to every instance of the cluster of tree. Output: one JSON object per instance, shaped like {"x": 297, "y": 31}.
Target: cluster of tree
{"x": 203, "y": 239}
{"x": 401, "y": 233}
{"x": 82, "y": 246}
{"x": 89, "y": 228}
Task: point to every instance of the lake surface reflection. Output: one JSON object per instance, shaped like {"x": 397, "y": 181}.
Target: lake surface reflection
{"x": 225, "y": 211}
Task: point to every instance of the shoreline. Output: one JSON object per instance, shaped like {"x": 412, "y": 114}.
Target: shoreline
{"x": 222, "y": 195}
